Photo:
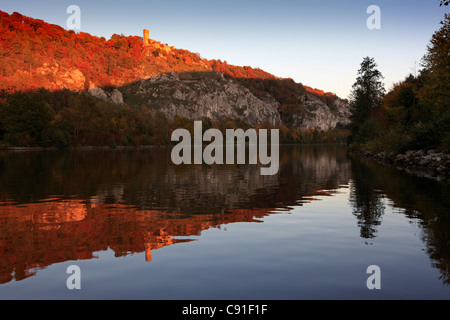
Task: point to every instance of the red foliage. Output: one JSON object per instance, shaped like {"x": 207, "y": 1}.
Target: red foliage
{"x": 37, "y": 54}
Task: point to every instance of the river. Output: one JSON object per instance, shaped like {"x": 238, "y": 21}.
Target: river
{"x": 139, "y": 227}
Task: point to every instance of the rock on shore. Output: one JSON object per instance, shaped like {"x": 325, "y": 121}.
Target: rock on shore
{"x": 430, "y": 163}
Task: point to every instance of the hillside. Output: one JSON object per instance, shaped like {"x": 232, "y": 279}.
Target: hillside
{"x": 36, "y": 55}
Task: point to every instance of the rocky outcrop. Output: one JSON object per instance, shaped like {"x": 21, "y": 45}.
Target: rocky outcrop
{"x": 202, "y": 94}
{"x": 115, "y": 96}
{"x": 210, "y": 94}
{"x": 318, "y": 115}
{"x": 68, "y": 78}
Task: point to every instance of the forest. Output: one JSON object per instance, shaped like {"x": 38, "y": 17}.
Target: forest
{"x": 62, "y": 119}
{"x": 414, "y": 114}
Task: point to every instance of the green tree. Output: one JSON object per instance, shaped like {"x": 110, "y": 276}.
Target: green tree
{"x": 24, "y": 117}
{"x": 83, "y": 117}
{"x": 435, "y": 94}
{"x": 367, "y": 94}
{"x": 160, "y": 124}
{"x": 401, "y": 102}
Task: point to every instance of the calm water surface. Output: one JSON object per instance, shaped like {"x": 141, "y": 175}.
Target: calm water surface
{"x": 141, "y": 228}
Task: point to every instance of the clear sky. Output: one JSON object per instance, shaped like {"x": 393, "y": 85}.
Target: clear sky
{"x": 319, "y": 43}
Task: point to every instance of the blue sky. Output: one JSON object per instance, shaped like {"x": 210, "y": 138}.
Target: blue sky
{"x": 319, "y": 43}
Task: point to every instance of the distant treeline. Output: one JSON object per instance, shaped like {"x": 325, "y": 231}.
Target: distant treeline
{"x": 61, "y": 119}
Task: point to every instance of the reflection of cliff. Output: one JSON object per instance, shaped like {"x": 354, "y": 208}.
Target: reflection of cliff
{"x": 218, "y": 188}
{"x": 67, "y": 206}
{"x": 316, "y": 168}
{"x": 36, "y": 235}
{"x": 148, "y": 180}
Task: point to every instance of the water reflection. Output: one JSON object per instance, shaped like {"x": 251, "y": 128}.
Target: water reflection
{"x": 366, "y": 199}
{"x": 421, "y": 199}
{"x": 60, "y": 206}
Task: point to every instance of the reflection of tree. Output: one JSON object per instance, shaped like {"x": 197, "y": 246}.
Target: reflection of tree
{"x": 437, "y": 238}
{"x": 420, "y": 199}
{"x": 366, "y": 201}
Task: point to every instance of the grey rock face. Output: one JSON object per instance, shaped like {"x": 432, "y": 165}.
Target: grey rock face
{"x": 206, "y": 95}
{"x": 210, "y": 94}
{"x": 318, "y": 115}
{"x": 115, "y": 96}
{"x": 98, "y": 93}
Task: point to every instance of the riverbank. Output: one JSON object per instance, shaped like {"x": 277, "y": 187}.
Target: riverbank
{"x": 79, "y": 148}
{"x": 10, "y": 148}
{"x": 423, "y": 163}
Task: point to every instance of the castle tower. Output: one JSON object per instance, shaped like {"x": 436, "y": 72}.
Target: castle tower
{"x": 146, "y": 37}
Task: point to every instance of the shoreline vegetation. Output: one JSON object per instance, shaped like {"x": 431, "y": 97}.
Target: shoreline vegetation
{"x": 64, "y": 119}
{"x": 409, "y": 126}
{"x": 431, "y": 164}
{"x": 87, "y": 148}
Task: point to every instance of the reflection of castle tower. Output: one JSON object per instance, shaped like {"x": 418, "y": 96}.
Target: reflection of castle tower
{"x": 146, "y": 37}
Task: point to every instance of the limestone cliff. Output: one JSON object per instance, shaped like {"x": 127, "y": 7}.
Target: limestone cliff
{"x": 115, "y": 96}
{"x": 210, "y": 94}
{"x": 320, "y": 116}
{"x": 196, "y": 95}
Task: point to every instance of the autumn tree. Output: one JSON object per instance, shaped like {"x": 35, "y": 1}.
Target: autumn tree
{"x": 436, "y": 62}
{"x": 24, "y": 117}
{"x": 82, "y": 117}
{"x": 367, "y": 94}
{"x": 401, "y": 103}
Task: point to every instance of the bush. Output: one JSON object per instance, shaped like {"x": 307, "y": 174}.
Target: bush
{"x": 24, "y": 117}
{"x": 371, "y": 129}
{"x": 424, "y": 135}
{"x": 430, "y": 135}
{"x": 127, "y": 140}
{"x": 394, "y": 139}
{"x": 113, "y": 143}
{"x": 445, "y": 144}
{"x": 54, "y": 137}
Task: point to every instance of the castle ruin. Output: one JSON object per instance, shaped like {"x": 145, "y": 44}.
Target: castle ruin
{"x": 146, "y": 37}
{"x": 156, "y": 44}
